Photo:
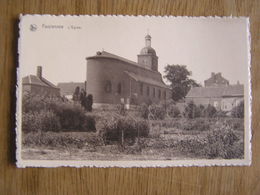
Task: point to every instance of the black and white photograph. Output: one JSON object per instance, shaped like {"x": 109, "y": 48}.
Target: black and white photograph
{"x": 133, "y": 91}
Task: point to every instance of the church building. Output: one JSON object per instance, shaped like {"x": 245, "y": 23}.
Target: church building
{"x": 112, "y": 79}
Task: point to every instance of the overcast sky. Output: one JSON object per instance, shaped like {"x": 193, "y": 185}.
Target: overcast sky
{"x": 203, "y": 45}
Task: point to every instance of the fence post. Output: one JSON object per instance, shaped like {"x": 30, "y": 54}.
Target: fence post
{"x": 122, "y": 137}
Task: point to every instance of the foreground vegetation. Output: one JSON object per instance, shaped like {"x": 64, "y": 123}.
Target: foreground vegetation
{"x": 57, "y": 129}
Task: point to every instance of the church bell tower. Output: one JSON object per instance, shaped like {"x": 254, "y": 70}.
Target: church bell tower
{"x": 147, "y": 57}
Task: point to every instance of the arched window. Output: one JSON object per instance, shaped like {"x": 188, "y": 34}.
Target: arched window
{"x": 119, "y": 88}
{"x": 148, "y": 91}
{"x": 108, "y": 86}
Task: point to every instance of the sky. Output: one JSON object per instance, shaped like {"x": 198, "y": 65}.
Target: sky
{"x": 204, "y": 45}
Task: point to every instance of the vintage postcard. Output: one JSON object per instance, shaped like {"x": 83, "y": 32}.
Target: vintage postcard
{"x": 133, "y": 91}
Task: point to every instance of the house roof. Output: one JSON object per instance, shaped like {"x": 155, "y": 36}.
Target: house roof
{"x": 224, "y": 91}
{"x": 143, "y": 79}
{"x": 69, "y": 88}
{"x": 234, "y": 90}
{"x": 34, "y": 80}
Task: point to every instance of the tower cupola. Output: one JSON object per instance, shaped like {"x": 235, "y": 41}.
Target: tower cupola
{"x": 148, "y": 41}
{"x": 147, "y": 56}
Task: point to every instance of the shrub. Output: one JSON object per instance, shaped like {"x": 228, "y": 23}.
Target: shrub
{"x": 238, "y": 111}
{"x": 173, "y": 111}
{"x": 71, "y": 116}
{"x": 235, "y": 123}
{"x": 220, "y": 143}
{"x": 199, "y": 124}
{"x": 52, "y": 114}
{"x": 89, "y": 123}
{"x": 220, "y": 114}
{"x": 61, "y": 139}
{"x": 192, "y": 146}
{"x": 173, "y": 123}
{"x": 144, "y": 111}
{"x": 156, "y": 112}
{"x": 120, "y": 109}
{"x": 192, "y": 111}
{"x": 115, "y": 126}
{"x": 152, "y": 112}
{"x": 50, "y": 121}
{"x": 209, "y": 111}
{"x": 33, "y": 103}
{"x": 30, "y": 122}
{"x": 40, "y": 121}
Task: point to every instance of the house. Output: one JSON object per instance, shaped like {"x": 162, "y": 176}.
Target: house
{"x": 221, "y": 97}
{"x": 216, "y": 79}
{"x": 112, "y": 79}
{"x": 67, "y": 89}
{"x": 38, "y": 85}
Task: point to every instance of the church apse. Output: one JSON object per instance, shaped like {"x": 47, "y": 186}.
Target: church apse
{"x": 112, "y": 79}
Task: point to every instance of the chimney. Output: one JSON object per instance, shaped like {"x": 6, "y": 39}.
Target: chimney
{"x": 39, "y": 72}
{"x": 212, "y": 74}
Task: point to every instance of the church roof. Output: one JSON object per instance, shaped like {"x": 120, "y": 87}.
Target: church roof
{"x": 34, "y": 80}
{"x": 140, "y": 78}
{"x": 105, "y": 54}
{"x": 224, "y": 91}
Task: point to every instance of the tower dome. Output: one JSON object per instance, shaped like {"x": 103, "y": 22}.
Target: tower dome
{"x": 147, "y": 56}
{"x": 148, "y": 50}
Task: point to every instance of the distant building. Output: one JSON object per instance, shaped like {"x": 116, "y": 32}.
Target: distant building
{"x": 218, "y": 93}
{"x": 36, "y": 84}
{"x": 112, "y": 79}
{"x": 67, "y": 89}
{"x": 216, "y": 79}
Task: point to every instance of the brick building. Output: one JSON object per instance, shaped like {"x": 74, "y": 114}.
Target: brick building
{"x": 112, "y": 79}
{"x": 36, "y": 84}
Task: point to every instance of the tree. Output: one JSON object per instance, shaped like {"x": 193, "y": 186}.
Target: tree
{"x": 76, "y": 94}
{"x": 89, "y": 102}
{"x": 178, "y": 76}
{"x": 83, "y": 98}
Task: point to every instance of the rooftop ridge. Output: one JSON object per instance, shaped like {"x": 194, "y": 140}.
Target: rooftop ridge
{"x": 105, "y": 54}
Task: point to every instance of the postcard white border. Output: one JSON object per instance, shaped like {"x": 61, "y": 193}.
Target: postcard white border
{"x": 135, "y": 163}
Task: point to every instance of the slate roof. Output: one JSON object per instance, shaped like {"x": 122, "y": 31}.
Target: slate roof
{"x": 224, "y": 91}
{"x": 147, "y": 80}
{"x": 34, "y": 80}
{"x": 69, "y": 88}
{"x": 105, "y": 54}
{"x": 136, "y": 77}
